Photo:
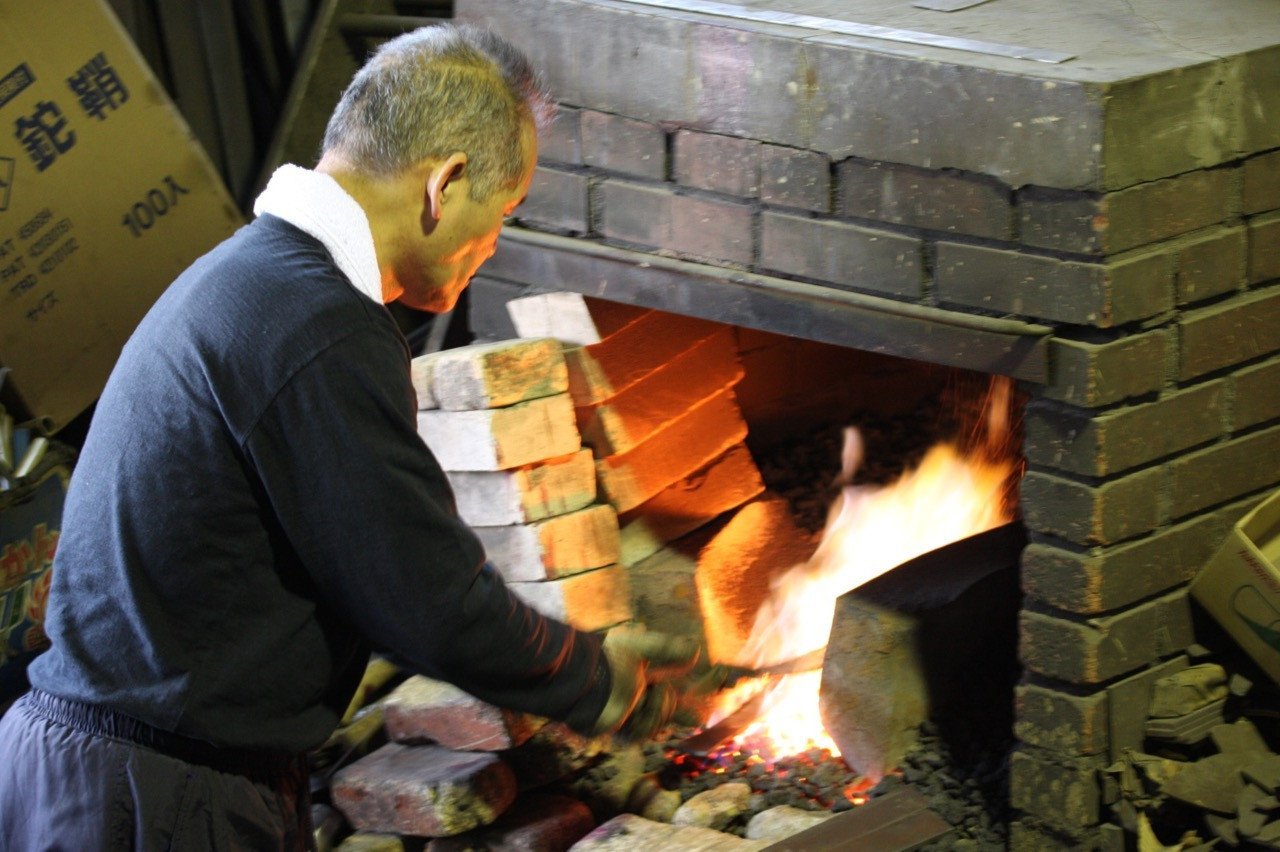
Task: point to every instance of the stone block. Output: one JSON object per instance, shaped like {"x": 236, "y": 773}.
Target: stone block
{"x": 1030, "y": 835}
{"x": 1239, "y": 329}
{"x": 592, "y": 600}
{"x": 1092, "y": 514}
{"x": 425, "y": 790}
{"x": 422, "y": 371}
{"x": 628, "y": 833}
{"x": 1061, "y": 721}
{"x": 659, "y": 216}
{"x": 531, "y": 493}
{"x": 687, "y": 443}
{"x": 664, "y": 592}
{"x": 634, "y": 414}
{"x": 1092, "y": 374}
{"x": 501, "y": 438}
{"x": 1255, "y": 395}
{"x": 782, "y": 822}
{"x": 1104, "y": 579}
{"x": 552, "y": 754}
{"x": 1133, "y": 287}
{"x": 555, "y": 547}
{"x": 599, "y": 371}
{"x": 558, "y": 200}
{"x": 1098, "y": 223}
{"x": 718, "y": 163}
{"x": 1062, "y": 792}
{"x": 715, "y": 808}
{"x": 759, "y": 544}
{"x": 1103, "y": 445}
{"x": 1130, "y": 704}
{"x": 1224, "y": 472}
{"x": 921, "y": 633}
{"x": 1264, "y": 248}
{"x": 571, "y": 317}
{"x": 423, "y": 709}
{"x": 1093, "y": 650}
{"x": 368, "y": 842}
{"x": 621, "y": 144}
{"x": 537, "y": 822}
{"x": 847, "y": 256}
{"x": 1210, "y": 264}
{"x": 561, "y": 142}
{"x": 496, "y": 375}
{"x": 724, "y": 483}
{"x": 1262, "y": 183}
{"x": 795, "y": 177}
{"x": 925, "y": 198}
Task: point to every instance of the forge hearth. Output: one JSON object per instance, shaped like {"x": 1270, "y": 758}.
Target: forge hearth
{"x": 1101, "y": 228}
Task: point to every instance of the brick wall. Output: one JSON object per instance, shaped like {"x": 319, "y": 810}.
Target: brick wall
{"x": 1158, "y": 424}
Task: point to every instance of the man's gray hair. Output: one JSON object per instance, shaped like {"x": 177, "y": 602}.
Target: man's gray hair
{"x": 437, "y": 90}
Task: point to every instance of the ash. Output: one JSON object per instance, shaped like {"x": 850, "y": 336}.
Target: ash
{"x": 968, "y": 789}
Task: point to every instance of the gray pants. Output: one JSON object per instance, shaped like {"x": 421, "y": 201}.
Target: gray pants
{"x": 70, "y": 781}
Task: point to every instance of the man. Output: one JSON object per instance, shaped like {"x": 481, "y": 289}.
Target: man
{"x": 254, "y": 509}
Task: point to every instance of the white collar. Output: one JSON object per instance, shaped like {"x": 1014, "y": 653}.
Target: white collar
{"x": 315, "y": 203}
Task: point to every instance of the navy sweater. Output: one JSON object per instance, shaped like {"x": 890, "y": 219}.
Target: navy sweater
{"x": 254, "y": 509}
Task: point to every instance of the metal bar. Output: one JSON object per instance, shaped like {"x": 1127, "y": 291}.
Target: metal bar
{"x": 832, "y": 25}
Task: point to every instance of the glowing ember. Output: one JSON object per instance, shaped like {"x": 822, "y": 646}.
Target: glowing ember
{"x": 949, "y": 496}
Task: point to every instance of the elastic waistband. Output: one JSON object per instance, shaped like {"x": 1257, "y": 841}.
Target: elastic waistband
{"x": 103, "y": 722}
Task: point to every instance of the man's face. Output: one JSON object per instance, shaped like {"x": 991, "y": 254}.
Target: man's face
{"x": 464, "y": 237}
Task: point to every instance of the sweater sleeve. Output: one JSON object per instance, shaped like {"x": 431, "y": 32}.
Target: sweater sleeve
{"x": 364, "y": 503}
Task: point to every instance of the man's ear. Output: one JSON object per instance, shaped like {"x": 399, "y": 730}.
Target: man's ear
{"x": 438, "y": 179}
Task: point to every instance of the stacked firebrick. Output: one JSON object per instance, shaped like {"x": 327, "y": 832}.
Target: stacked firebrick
{"x": 575, "y": 451}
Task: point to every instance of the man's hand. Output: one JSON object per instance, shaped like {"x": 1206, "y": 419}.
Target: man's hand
{"x": 640, "y": 700}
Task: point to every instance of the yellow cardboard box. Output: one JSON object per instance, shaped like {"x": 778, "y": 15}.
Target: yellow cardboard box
{"x": 1240, "y": 587}
{"x": 105, "y": 196}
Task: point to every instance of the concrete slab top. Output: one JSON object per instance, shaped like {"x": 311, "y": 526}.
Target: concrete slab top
{"x": 1106, "y": 40}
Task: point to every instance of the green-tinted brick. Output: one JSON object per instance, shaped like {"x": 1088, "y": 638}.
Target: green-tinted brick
{"x": 1095, "y": 374}
{"x": 1264, "y": 248}
{"x": 1231, "y": 332}
{"x": 846, "y": 255}
{"x": 1052, "y": 719}
{"x": 692, "y": 225}
{"x": 1102, "y": 445}
{"x": 1256, "y": 391}
{"x": 1087, "y": 514}
{"x": 1262, "y": 183}
{"x": 1061, "y": 791}
{"x": 924, "y": 198}
{"x": 1211, "y": 264}
{"x": 1224, "y": 472}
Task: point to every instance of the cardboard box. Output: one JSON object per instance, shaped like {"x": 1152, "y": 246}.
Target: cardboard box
{"x": 1240, "y": 587}
{"x": 105, "y": 196}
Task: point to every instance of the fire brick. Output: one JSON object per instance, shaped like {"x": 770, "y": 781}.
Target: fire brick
{"x": 1061, "y": 721}
{"x": 501, "y": 438}
{"x": 1104, "y": 579}
{"x": 1061, "y": 791}
{"x": 558, "y": 546}
{"x": 1114, "y": 222}
{"x": 562, "y": 141}
{"x": 558, "y": 199}
{"x": 622, "y": 144}
{"x": 1232, "y": 332}
{"x": 925, "y": 198}
{"x": 795, "y": 177}
{"x": 592, "y": 600}
{"x": 425, "y": 709}
{"x": 537, "y": 821}
{"x": 1096, "y": 374}
{"x": 663, "y": 590}
{"x": 1262, "y": 183}
{"x": 1130, "y": 703}
{"x": 600, "y": 371}
{"x": 1099, "y": 649}
{"x": 845, "y": 255}
{"x": 719, "y": 163}
{"x": 424, "y": 790}
{"x": 422, "y": 373}
{"x": 531, "y": 493}
{"x": 554, "y": 753}
{"x": 628, "y": 832}
{"x": 572, "y": 317}
{"x": 1210, "y": 264}
{"x": 494, "y": 375}
{"x": 637, "y": 412}
{"x": 722, "y": 484}
{"x": 1224, "y": 472}
{"x": 1254, "y": 392}
{"x": 1029, "y": 835}
{"x": 1264, "y": 248}
{"x": 659, "y": 216}
{"x": 1133, "y": 287}
{"x": 1106, "y": 444}
{"x": 1085, "y": 514}
{"x": 684, "y": 445}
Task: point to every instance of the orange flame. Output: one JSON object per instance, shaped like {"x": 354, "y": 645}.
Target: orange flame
{"x": 870, "y": 529}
